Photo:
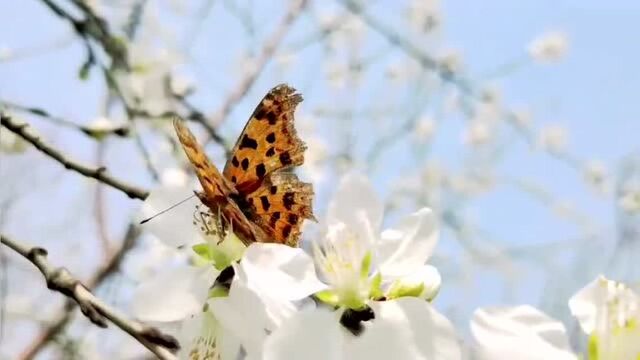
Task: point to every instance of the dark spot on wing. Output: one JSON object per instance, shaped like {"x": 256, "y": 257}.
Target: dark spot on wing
{"x": 233, "y": 179}
{"x": 293, "y": 219}
{"x": 288, "y": 200}
{"x": 245, "y": 164}
{"x": 260, "y": 113}
{"x": 265, "y": 202}
{"x": 270, "y": 152}
{"x": 272, "y": 118}
{"x": 260, "y": 170}
{"x": 271, "y": 138}
{"x": 248, "y": 142}
{"x": 274, "y": 218}
{"x": 235, "y": 161}
{"x": 273, "y": 189}
{"x": 285, "y": 158}
{"x": 286, "y": 230}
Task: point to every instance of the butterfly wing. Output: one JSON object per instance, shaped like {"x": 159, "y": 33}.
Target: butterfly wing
{"x": 280, "y": 206}
{"x": 268, "y": 142}
{"x": 213, "y": 184}
{"x": 268, "y": 146}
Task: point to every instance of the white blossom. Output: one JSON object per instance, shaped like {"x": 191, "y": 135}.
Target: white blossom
{"x": 609, "y": 313}
{"x": 553, "y": 138}
{"x": 548, "y": 47}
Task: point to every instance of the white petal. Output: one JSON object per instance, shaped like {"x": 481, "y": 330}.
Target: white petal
{"x": 603, "y": 305}
{"x": 176, "y": 227}
{"x": 426, "y": 275}
{"x": 279, "y": 270}
{"x": 173, "y": 294}
{"x": 201, "y": 327}
{"x": 243, "y": 314}
{"x": 406, "y": 248}
{"x": 584, "y": 305}
{"x": 430, "y": 333}
{"x": 355, "y": 199}
{"x": 311, "y": 334}
{"x": 515, "y": 332}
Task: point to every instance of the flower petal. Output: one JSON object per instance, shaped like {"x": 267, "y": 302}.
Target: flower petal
{"x": 406, "y": 248}
{"x": 310, "y": 334}
{"x": 427, "y": 278}
{"x": 512, "y": 333}
{"x": 355, "y": 199}
{"x": 173, "y": 294}
{"x": 429, "y": 333}
{"x": 279, "y": 270}
{"x": 243, "y": 314}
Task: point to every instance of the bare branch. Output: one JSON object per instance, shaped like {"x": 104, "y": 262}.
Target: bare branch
{"x": 99, "y": 173}
{"x": 93, "y": 132}
{"x": 267, "y": 52}
{"x": 98, "y": 312}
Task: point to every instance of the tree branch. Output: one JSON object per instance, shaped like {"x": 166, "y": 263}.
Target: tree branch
{"x": 98, "y": 312}
{"x": 93, "y": 132}
{"x": 99, "y": 173}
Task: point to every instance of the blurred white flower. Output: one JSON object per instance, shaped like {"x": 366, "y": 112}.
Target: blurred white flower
{"x": 553, "y": 138}
{"x": 630, "y": 202}
{"x": 548, "y": 47}
{"x": 609, "y": 313}
{"x": 519, "y": 332}
{"x": 595, "y": 174}
{"x": 181, "y": 85}
{"x": 354, "y": 30}
{"x": 103, "y": 126}
{"x": 451, "y": 61}
{"x": 424, "y": 129}
{"x": 477, "y": 132}
{"x": 424, "y": 15}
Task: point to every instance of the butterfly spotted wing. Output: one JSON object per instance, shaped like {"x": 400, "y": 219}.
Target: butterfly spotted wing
{"x": 257, "y": 194}
{"x": 266, "y": 150}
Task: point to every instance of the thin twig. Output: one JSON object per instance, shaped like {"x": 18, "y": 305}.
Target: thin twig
{"x": 98, "y": 312}
{"x": 99, "y": 173}
{"x": 266, "y": 53}
{"x": 93, "y": 132}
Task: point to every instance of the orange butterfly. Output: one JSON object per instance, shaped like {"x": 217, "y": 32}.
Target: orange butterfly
{"x": 255, "y": 195}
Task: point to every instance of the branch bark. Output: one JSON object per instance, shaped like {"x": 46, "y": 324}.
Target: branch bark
{"x": 98, "y": 312}
{"x": 98, "y": 173}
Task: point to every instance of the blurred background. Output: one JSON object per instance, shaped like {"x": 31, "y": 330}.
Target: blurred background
{"x": 516, "y": 121}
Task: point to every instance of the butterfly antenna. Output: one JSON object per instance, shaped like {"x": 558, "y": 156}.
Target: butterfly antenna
{"x": 167, "y": 209}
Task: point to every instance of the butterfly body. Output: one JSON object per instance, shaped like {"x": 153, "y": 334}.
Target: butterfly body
{"x": 256, "y": 195}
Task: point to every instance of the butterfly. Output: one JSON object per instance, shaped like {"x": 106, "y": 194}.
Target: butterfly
{"x": 257, "y": 195}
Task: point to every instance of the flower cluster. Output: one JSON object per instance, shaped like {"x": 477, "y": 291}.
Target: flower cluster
{"x": 360, "y": 292}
